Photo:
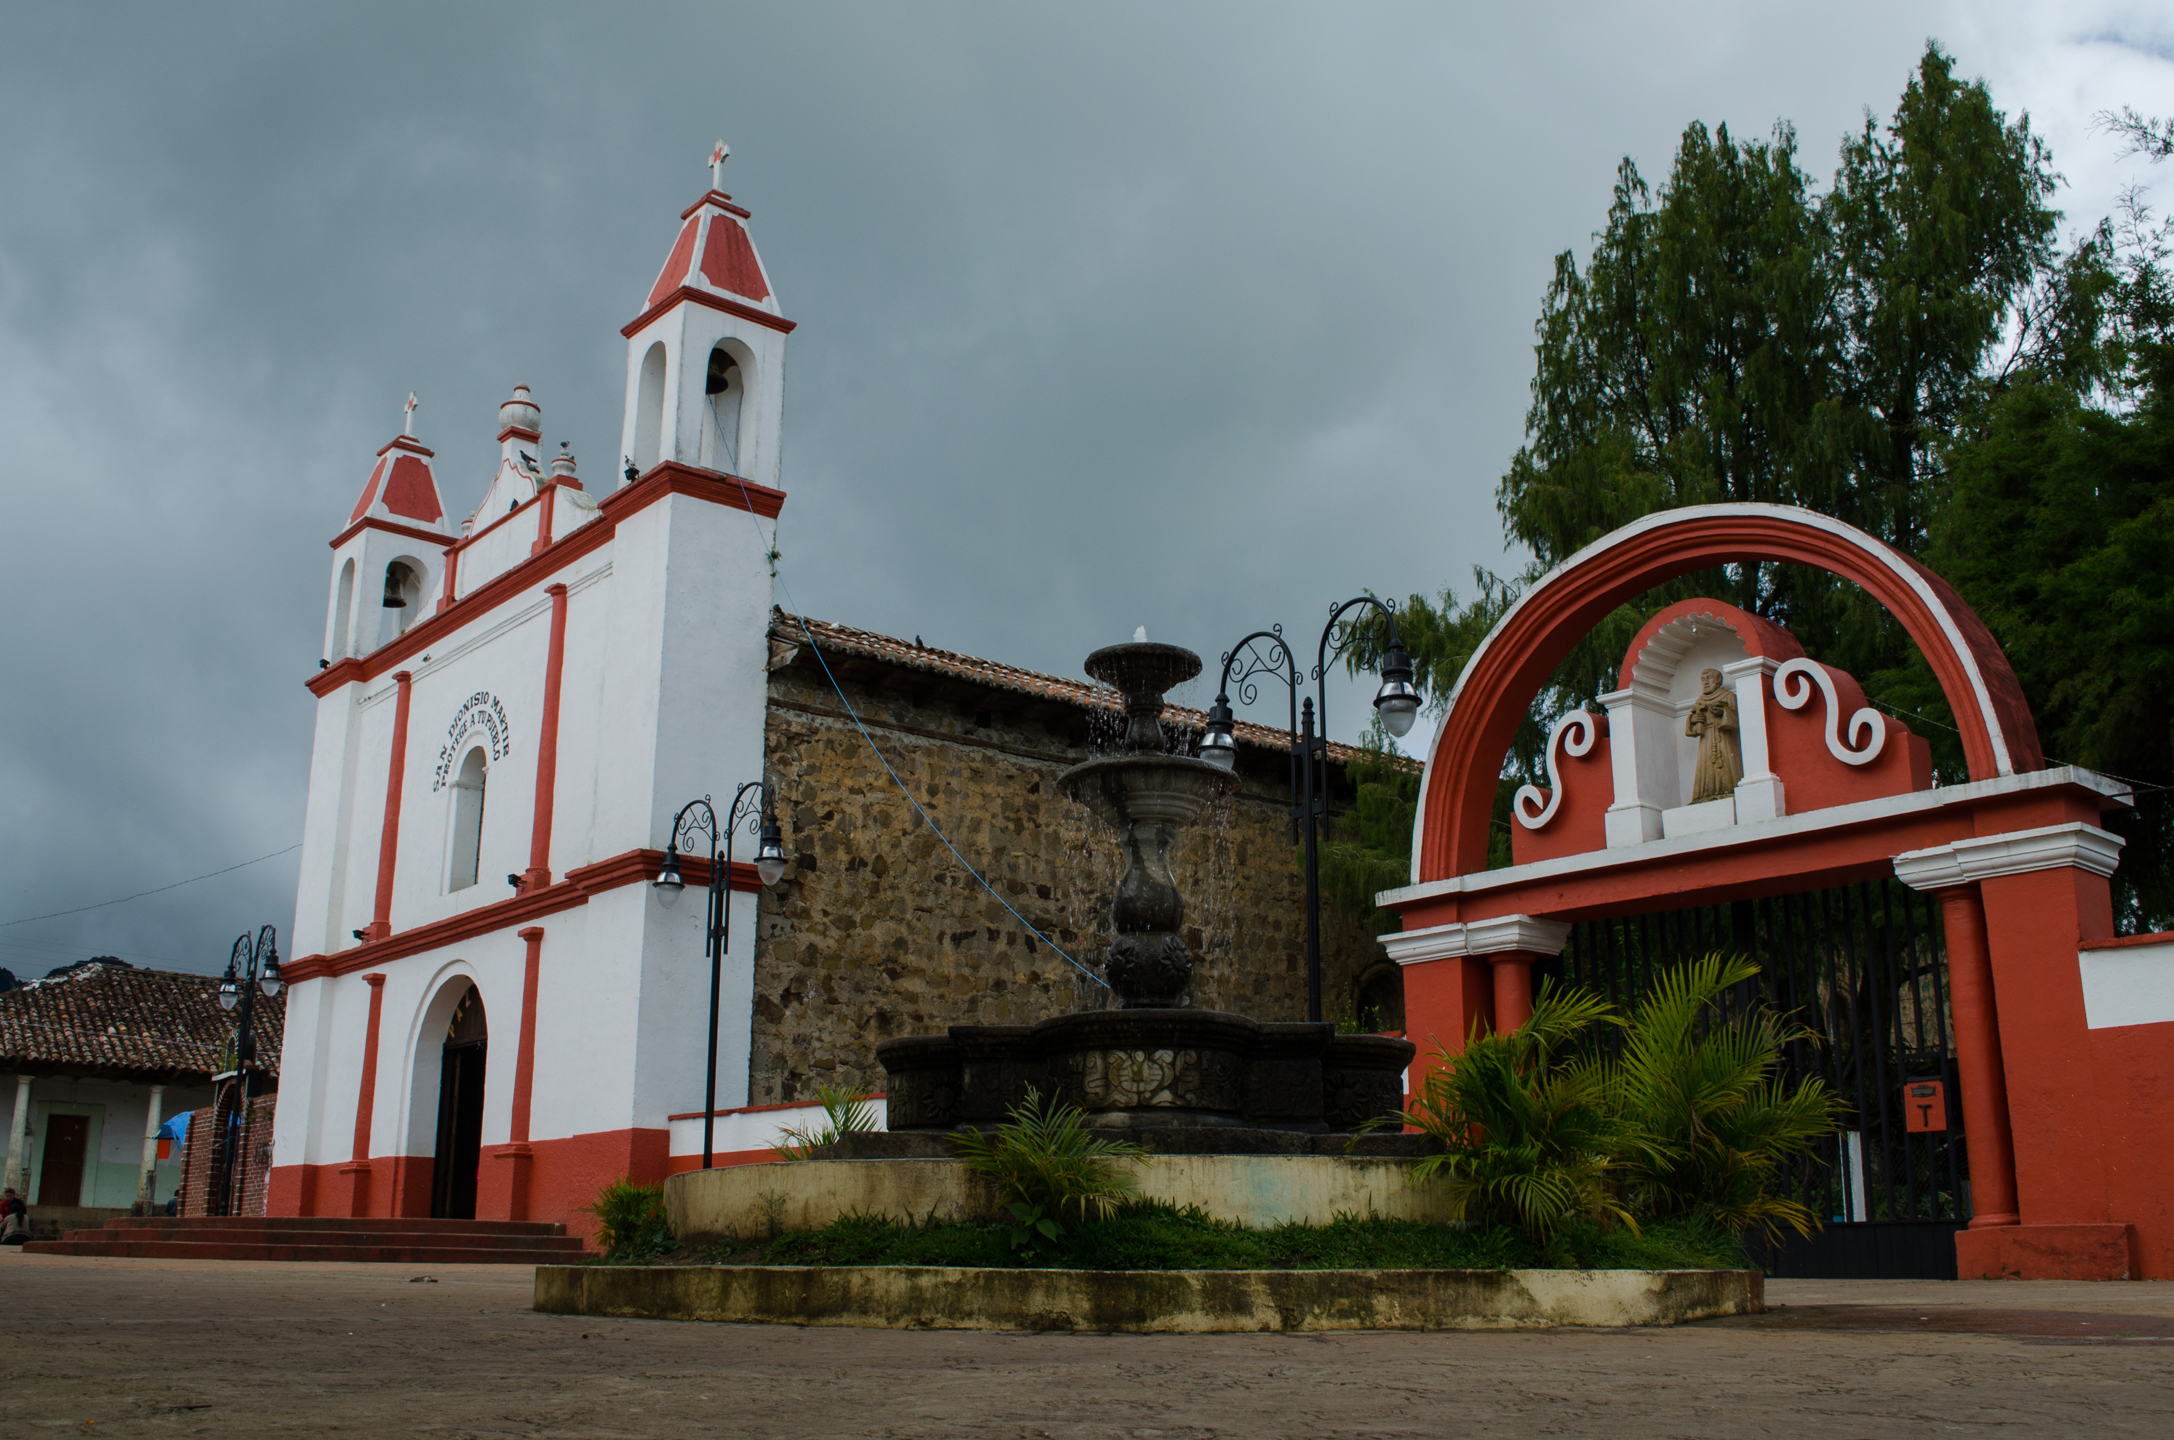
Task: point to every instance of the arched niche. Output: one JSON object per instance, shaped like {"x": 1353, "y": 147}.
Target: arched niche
{"x": 1532, "y": 639}
{"x": 342, "y": 641}
{"x": 649, "y": 410}
{"x": 464, "y": 835}
{"x": 727, "y": 380}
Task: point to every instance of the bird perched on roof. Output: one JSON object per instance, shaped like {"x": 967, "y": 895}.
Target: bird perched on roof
{"x": 917, "y": 643}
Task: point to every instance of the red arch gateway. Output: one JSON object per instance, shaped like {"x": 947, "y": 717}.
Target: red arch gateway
{"x": 1497, "y": 686}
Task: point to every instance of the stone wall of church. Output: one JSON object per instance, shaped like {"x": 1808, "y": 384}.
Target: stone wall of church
{"x": 876, "y": 931}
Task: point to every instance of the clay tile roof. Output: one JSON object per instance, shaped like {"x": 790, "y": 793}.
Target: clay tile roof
{"x": 153, "y": 1025}
{"x": 845, "y": 640}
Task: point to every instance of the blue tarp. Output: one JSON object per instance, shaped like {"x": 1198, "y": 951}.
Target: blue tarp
{"x": 177, "y": 1129}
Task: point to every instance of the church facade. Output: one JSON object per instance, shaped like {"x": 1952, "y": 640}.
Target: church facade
{"x": 494, "y": 1011}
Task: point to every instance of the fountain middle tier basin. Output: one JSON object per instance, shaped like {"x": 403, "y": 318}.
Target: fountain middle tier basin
{"x": 1127, "y": 789}
{"x": 1149, "y": 1069}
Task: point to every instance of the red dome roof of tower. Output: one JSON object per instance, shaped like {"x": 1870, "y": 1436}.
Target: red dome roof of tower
{"x": 402, "y": 487}
{"x": 728, "y": 265}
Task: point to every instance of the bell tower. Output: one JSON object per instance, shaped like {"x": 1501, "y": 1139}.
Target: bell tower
{"x": 706, "y": 357}
{"x": 388, "y": 562}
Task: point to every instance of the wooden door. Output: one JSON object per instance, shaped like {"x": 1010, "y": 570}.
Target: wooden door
{"x": 67, "y": 1147}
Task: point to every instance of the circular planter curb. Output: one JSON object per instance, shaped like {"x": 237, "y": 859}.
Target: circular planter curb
{"x": 902, "y": 1297}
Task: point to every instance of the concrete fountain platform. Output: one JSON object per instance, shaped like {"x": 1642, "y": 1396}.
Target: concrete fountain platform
{"x": 1254, "y": 1190}
{"x": 901, "y": 1297}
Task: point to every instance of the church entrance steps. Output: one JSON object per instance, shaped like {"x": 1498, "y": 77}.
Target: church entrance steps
{"x": 386, "y": 1241}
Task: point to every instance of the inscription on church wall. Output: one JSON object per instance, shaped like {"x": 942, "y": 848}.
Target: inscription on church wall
{"x": 876, "y": 932}
{"x": 479, "y": 711}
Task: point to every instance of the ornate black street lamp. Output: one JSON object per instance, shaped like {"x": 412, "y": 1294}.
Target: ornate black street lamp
{"x": 697, "y": 818}
{"x": 1397, "y": 702}
{"x": 251, "y": 967}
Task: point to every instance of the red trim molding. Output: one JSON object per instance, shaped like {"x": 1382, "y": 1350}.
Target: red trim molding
{"x": 635, "y": 867}
{"x": 543, "y": 520}
{"x": 547, "y": 748}
{"x": 422, "y": 635}
{"x": 764, "y": 1109}
{"x": 672, "y": 478}
{"x": 669, "y": 478}
{"x": 388, "y": 843}
{"x": 721, "y": 200}
{"x": 2125, "y": 942}
{"x": 715, "y": 302}
{"x": 366, "y": 1102}
{"x": 371, "y": 522}
{"x": 524, "y": 1064}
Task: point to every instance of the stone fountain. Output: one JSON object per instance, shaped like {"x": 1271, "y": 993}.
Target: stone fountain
{"x": 1175, "y": 1077}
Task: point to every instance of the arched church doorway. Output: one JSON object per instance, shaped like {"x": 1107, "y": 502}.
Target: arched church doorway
{"x": 460, "y": 1112}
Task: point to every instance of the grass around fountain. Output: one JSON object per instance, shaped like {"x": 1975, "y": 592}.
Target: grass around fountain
{"x": 1144, "y": 1235}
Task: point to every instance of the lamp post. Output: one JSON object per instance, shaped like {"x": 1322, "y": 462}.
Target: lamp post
{"x": 252, "y": 967}
{"x": 1264, "y": 652}
{"x": 699, "y": 818}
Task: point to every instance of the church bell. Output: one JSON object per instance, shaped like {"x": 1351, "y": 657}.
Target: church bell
{"x": 393, "y": 598}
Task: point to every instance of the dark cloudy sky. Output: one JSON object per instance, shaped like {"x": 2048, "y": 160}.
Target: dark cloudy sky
{"x": 1190, "y": 316}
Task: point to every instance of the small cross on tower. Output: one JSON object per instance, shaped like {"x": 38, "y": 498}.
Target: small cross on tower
{"x": 719, "y": 154}
{"x": 407, "y": 415}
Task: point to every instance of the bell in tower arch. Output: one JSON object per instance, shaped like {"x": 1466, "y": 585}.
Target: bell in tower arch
{"x": 724, "y": 388}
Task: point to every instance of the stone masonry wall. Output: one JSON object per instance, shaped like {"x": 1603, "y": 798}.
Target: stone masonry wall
{"x": 876, "y": 931}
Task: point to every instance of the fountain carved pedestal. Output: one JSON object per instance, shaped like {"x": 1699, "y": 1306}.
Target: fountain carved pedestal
{"x": 1175, "y": 1076}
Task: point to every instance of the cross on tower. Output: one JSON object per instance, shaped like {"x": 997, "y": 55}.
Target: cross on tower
{"x": 407, "y": 415}
{"x": 719, "y": 154}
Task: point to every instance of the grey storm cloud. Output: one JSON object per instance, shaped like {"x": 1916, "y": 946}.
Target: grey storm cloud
{"x": 1198, "y": 317}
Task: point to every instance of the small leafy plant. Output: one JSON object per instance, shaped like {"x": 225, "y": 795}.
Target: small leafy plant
{"x": 845, "y": 1112}
{"x": 1050, "y": 1169}
{"x": 631, "y": 1223}
{"x": 1708, "y": 1088}
{"x": 1530, "y": 1132}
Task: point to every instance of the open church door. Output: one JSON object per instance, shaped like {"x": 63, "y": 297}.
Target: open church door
{"x": 460, "y": 1113}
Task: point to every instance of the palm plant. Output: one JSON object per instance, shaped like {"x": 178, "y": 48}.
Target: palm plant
{"x": 1707, "y": 1090}
{"x": 1530, "y": 1128}
{"x": 845, "y": 1112}
{"x": 1049, "y": 1168}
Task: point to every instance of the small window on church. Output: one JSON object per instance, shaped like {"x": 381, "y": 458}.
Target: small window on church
{"x": 467, "y": 821}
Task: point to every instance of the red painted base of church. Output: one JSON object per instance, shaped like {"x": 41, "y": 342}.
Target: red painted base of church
{"x": 546, "y": 1180}
{"x": 2046, "y": 1252}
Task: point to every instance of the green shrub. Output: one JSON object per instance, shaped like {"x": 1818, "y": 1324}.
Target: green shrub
{"x": 845, "y": 1112}
{"x": 1148, "y": 1235}
{"x": 1049, "y": 1169}
{"x": 1531, "y": 1134}
{"x": 1706, "y": 1088}
{"x": 630, "y": 1221}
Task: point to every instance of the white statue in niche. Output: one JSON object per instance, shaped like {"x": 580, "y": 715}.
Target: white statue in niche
{"x": 1713, "y": 722}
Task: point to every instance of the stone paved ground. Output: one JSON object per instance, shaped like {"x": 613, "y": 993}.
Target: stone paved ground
{"x": 156, "y": 1348}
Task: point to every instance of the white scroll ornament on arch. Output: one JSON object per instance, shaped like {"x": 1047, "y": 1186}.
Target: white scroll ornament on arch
{"x": 1580, "y": 743}
{"x": 1793, "y": 683}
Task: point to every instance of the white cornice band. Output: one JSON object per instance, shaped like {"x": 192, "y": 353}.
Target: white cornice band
{"x": 1496, "y": 935}
{"x": 2050, "y": 847}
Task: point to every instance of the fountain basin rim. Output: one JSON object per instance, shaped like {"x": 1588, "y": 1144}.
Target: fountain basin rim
{"x": 1218, "y": 781}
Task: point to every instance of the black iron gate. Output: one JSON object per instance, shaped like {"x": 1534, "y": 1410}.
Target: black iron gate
{"x": 1862, "y": 967}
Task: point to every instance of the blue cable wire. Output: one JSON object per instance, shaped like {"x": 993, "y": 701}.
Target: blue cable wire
{"x": 771, "y": 550}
